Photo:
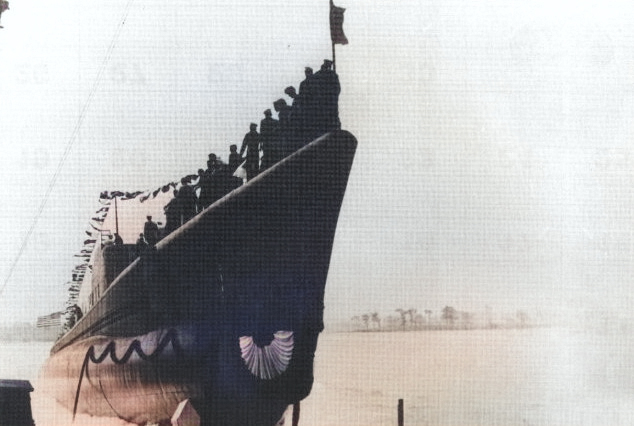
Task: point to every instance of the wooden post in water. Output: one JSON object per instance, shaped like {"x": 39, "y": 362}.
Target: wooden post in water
{"x": 400, "y": 412}
{"x": 296, "y": 413}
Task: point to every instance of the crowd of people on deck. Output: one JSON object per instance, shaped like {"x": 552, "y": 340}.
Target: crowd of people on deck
{"x": 313, "y": 111}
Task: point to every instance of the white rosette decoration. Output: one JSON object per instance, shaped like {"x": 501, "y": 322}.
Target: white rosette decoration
{"x": 271, "y": 360}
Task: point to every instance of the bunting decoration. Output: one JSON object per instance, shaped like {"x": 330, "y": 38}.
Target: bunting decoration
{"x": 131, "y": 195}
{"x": 79, "y": 271}
{"x": 95, "y": 224}
{"x": 50, "y": 320}
{"x": 336, "y": 25}
{"x": 106, "y": 196}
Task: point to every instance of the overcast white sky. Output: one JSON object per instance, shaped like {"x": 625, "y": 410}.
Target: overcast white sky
{"x": 495, "y": 161}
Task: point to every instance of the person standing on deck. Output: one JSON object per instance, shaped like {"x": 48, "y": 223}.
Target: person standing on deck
{"x": 251, "y": 144}
{"x": 310, "y": 107}
{"x": 172, "y": 214}
{"x": 284, "y": 134}
{"x": 187, "y": 201}
{"x": 306, "y": 86}
{"x": 234, "y": 158}
{"x": 150, "y": 232}
{"x": 327, "y": 89}
{"x": 141, "y": 245}
{"x": 212, "y": 164}
{"x": 269, "y": 140}
{"x": 297, "y": 121}
{"x": 205, "y": 183}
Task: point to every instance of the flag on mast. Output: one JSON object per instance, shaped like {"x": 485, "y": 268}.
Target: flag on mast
{"x": 336, "y": 24}
{"x": 4, "y": 5}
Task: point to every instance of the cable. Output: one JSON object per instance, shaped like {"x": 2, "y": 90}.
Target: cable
{"x": 69, "y": 145}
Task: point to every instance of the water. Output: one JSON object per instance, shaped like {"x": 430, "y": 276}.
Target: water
{"x": 482, "y": 377}
{"x": 545, "y": 376}
{"x": 22, "y": 360}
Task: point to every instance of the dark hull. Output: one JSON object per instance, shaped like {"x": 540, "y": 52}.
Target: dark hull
{"x": 170, "y": 326}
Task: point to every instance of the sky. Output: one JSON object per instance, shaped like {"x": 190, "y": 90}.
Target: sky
{"x": 495, "y": 157}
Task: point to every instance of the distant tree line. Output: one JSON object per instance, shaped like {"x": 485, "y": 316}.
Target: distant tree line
{"x": 448, "y": 318}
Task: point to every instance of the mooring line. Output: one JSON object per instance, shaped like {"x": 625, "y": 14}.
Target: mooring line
{"x": 69, "y": 145}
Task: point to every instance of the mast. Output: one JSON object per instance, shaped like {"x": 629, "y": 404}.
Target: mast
{"x": 334, "y": 62}
{"x": 332, "y": 36}
{"x": 116, "y": 217}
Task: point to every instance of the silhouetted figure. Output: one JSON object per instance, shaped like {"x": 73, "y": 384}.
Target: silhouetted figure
{"x": 296, "y": 106}
{"x": 269, "y": 141}
{"x": 141, "y": 245}
{"x": 161, "y": 231}
{"x": 187, "y": 201}
{"x": 212, "y": 163}
{"x": 150, "y": 232}
{"x": 234, "y": 158}
{"x": 310, "y": 105}
{"x": 225, "y": 181}
{"x": 218, "y": 181}
{"x": 327, "y": 89}
{"x": 283, "y": 114}
{"x": 297, "y": 121}
{"x": 205, "y": 183}
{"x": 251, "y": 144}
{"x": 284, "y": 126}
{"x": 306, "y": 89}
{"x": 292, "y": 93}
{"x": 118, "y": 241}
{"x": 172, "y": 214}
{"x": 75, "y": 315}
{"x": 210, "y": 195}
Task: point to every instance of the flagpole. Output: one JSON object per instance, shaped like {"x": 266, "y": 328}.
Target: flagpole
{"x": 334, "y": 62}
{"x": 116, "y": 216}
{"x": 336, "y": 30}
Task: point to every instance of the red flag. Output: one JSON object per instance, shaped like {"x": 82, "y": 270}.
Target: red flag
{"x": 336, "y": 24}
